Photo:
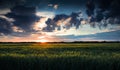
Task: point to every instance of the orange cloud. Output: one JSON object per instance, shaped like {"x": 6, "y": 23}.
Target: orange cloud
{"x": 40, "y": 24}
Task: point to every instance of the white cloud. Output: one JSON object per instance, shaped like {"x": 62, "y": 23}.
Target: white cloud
{"x": 4, "y": 11}
{"x": 46, "y": 14}
{"x": 56, "y": 6}
{"x": 17, "y": 29}
{"x": 8, "y": 19}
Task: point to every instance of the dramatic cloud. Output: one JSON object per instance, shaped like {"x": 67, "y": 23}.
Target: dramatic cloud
{"x": 53, "y": 19}
{"x": 17, "y": 29}
{"x": 19, "y": 21}
{"x": 104, "y": 12}
{"x": 24, "y": 17}
{"x": 5, "y": 27}
{"x": 46, "y": 14}
{"x": 5, "y": 4}
{"x": 4, "y": 11}
{"x": 63, "y": 21}
{"x": 107, "y": 9}
{"x": 39, "y": 25}
{"x": 90, "y": 8}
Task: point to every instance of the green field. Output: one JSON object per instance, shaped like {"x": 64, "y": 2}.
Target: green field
{"x": 60, "y": 56}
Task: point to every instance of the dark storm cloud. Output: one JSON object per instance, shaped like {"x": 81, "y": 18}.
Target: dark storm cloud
{"x": 115, "y": 8}
{"x": 5, "y": 27}
{"x": 19, "y": 21}
{"x": 24, "y": 17}
{"x": 23, "y": 13}
{"x": 108, "y": 8}
{"x": 103, "y": 12}
{"x": 52, "y": 23}
{"x": 72, "y": 21}
{"x": 10, "y": 3}
{"x": 90, "y": 7}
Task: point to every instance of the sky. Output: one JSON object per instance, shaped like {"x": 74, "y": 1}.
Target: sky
{"x": 59, "y": 20}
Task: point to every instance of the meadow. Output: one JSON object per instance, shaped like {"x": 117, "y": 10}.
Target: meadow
{"x": 59, "y": 56}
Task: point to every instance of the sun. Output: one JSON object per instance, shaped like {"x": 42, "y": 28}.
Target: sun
{"x": 43, "y": 41}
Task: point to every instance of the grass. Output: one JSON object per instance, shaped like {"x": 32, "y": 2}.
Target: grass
{"x": 60, "y": 56}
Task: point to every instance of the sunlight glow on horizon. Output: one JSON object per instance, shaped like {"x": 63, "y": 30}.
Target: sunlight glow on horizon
{"x": 42, "y": 40}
